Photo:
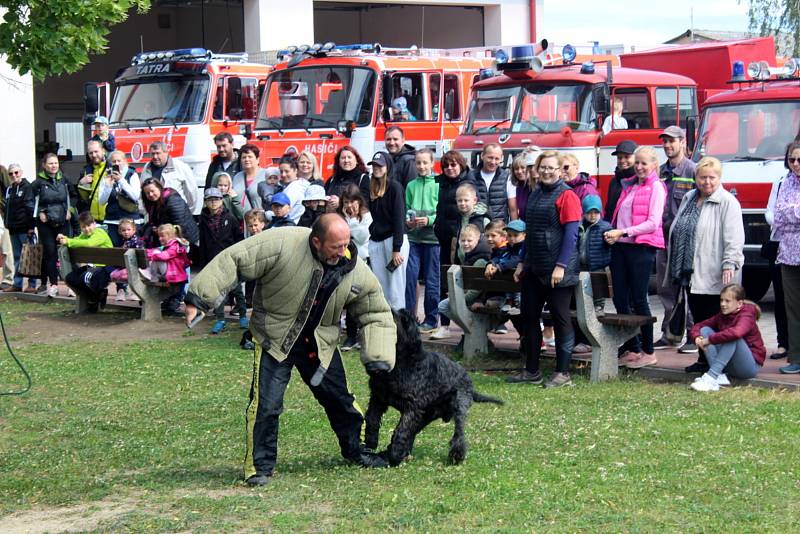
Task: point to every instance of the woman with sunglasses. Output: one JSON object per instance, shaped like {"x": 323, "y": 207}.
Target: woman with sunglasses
{"x": 18, "y": 215}
{"x": 549, "y": 270}
{"x": 52, "y": 201}
{"x": 786, "y": 228}
{"x": 580, "y": 182}
{"x": 455, "y": 172}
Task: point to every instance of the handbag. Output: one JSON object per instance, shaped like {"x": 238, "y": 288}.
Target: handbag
{"x": 125, "y": 203}
{"x": 30, "y": 260}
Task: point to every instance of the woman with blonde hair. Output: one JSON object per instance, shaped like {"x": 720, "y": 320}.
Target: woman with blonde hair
{"x": 308, "y": 168}
{"x": 706, "y": 245}
{"x": 637, "y": 234}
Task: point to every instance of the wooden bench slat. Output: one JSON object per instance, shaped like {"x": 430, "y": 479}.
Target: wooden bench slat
{"x": 625, "y": 320}
{"x": 114, "y": 257}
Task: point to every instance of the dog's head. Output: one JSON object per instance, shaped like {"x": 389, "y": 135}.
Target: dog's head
{"x": 409, "y": 343}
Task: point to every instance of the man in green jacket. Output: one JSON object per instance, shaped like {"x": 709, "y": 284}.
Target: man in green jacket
{"x": 304, "y": 279}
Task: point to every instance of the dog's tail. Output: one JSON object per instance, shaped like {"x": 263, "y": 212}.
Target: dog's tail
{"x": 479, "y": 397}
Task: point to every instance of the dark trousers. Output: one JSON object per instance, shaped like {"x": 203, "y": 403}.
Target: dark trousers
{"x": 445, "y": 246}
{"x": 239, "y": 303}
{"x": 791, "y": 291}
{"x": 423, "y": 262}
{"x": 91, "y": 282}
{"x": 270, "y": 378}
{"x": 534, "y": 295}
{"x": 47, "y": 237}
{"x": 780, "y": 305}
{"x": 631, "y": 266}
{"x": 702, "y": 307}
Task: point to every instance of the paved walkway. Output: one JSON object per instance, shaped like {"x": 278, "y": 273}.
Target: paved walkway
{"x": 670, "y": 363}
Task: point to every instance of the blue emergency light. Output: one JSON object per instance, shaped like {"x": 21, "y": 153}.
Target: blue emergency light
{"x": 738, "y": 72}
{"x": 587, "y": 68}
{"x": 500, "y": 56}
{"x": 568, "y": 54}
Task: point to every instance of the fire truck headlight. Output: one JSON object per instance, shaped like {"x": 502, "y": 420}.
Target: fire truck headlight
{"x": 303, "y": 49}
{"x": 291, "y": 49}
{"x": 792, "y": 67}
{"x": 327, "y": 47}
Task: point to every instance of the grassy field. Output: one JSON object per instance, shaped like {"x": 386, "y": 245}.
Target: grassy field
{"x": 149, "y": 436}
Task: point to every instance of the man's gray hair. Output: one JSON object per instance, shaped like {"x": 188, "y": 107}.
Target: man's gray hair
{"x": 14, "y": 166}
{"x": 158, "y": 145}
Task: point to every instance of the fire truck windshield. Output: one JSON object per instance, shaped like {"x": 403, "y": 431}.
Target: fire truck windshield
{"x": 752, "y": 131}
{"x": 317, "y": 97}
{"x": 534, "y": 107}
{"x": 160, "y": 101}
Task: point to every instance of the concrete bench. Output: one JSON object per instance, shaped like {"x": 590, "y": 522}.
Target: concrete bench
{"x": 151, "y": 294}
{"x": 605, "y": 332}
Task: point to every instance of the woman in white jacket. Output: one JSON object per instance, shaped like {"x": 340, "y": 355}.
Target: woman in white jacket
{"x": 706, "y": 244}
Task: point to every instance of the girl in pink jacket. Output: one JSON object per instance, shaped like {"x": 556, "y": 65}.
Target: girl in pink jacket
{"x": 168, "y": 263}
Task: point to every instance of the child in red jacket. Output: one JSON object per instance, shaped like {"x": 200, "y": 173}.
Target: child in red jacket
{"x": 168, "y": 262}
{"x": 730, "y": 339}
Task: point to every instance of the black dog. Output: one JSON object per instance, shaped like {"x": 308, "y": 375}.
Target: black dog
{"x": 423, "y": 386}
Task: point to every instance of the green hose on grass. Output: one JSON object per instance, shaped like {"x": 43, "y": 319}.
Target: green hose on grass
{"x": 19, "y": 363}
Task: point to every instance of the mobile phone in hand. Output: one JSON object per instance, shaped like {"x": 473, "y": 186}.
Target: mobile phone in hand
{"x": 391, "y": 266}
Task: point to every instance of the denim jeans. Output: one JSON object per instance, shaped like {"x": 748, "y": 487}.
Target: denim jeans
{"x": 631, "y": 266}
{"x": 17, "y": 240}
{"x": 425, "y": 258}
{"x": 733, "y": 358}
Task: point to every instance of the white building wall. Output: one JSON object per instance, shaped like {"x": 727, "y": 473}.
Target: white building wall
{"x": 17, "y": 138}
{"x": 274, "y": 24}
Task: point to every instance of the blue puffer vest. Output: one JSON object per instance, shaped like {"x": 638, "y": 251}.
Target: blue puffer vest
{"x": 598, "y": 252}
{"x": 544, "y": 235}
{"x": 495, "y": 198}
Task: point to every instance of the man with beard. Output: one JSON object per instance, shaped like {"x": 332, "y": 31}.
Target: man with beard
{"x": 403, "y": 167}
{"x": 304, "y": 279}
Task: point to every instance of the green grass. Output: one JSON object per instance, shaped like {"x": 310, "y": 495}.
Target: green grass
{"x": 160, "y": 426}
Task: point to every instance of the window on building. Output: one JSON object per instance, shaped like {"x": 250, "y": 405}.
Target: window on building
{"x": 70, "y": 136}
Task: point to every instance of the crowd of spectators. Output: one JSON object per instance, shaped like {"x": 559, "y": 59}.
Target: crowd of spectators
{"x": 541, "y": 219}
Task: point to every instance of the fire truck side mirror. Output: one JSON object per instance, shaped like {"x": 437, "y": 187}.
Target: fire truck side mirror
{"x": 600, "y": 99}
{"x": 691, "y": 133}
{"x": 91, "y": 102}
{"x": 246, "y": 130}
{"x": 346, "y": 127}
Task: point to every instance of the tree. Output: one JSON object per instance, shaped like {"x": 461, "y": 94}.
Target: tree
{"x": 780, "y": 18}
{"x": 52, "y": 37}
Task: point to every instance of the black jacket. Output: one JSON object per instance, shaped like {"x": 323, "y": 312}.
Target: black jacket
{"x": 404, "y": 169}
{"x": 173, "y": 210}
{"x": 495, "y": 197}
{"x": 388, "y": 215}
{"x": 213, "y": 242}
{"x": 216, "y": 166}
{"x": 19, "y": 207}
{"x": 55, "y": 196}
{"x": 278, "y": 222}
{"x": 615, "y": 190}
{"x": 338, "y": 182}
{"x": 448, "y": 217}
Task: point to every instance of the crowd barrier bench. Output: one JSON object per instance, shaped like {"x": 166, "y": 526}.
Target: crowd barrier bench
{"x": 151, "y": 294}
{"x": 605, "y": 332}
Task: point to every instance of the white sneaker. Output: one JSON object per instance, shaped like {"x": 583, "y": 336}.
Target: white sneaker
{"x": 70, "y": 293}
{"x": 130, "y": 295}
{"x": 722, "y": 380}
{"x": 441, "y": 333}
{"x": 705, "y": 383}
{"x": 52, "y": 291}
{"x": 120, "y": 297}
{"x": 549, "y": 341}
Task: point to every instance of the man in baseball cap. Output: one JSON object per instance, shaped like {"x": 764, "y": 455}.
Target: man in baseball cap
{"x": 624, "y": 170}
{"x": 677, "y": 173}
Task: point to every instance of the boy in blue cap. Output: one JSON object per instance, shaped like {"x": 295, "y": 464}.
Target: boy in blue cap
{"x": 508, "y": 261}
{"x": 594, "y": 253}
{"x": 280, "y": 207}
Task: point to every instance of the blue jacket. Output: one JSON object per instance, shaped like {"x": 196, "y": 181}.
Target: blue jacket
{"x": 593, "y": 251}
{"x": 508, "y": 257}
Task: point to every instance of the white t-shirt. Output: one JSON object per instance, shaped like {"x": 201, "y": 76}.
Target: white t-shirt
{"x": 620, "y": 123}
{"x": 511, "y": 189}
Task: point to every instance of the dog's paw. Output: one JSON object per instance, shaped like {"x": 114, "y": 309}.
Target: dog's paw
{"x": 457, "y": 455}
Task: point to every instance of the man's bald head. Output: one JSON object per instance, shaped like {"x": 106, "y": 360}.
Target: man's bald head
{"x": 330, "y": 235}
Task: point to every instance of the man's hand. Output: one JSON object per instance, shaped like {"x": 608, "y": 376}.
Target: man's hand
{"x": 557, "y": 276}
{"x": 87, "y": 179}
{"x": 727, "y": 276}
{"x": 191, "y": 313}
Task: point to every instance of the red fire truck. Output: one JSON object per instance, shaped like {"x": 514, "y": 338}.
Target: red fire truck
{"x": 748, "y": 129}
{"x": 323, "y": 97}
{"x": 563, "y": 107}
{"x": 182, "y": 97}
